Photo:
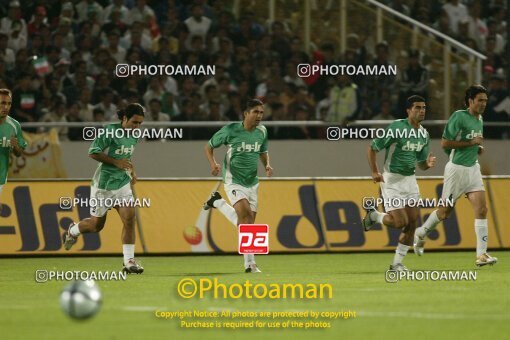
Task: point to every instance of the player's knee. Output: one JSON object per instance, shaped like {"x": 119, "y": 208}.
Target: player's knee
{"x": 482, "y": 211}
{"x": 129, "y": 219}
{"x": 99, "y": 225}
{"x": 400, "y": 223}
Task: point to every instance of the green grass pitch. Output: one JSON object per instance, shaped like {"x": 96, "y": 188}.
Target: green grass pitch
{"x": 419, "y": 310}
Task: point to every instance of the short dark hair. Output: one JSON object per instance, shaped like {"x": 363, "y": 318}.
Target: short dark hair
{"x": 6, "y": 92}
{"x": 473, "y": 91}
{"x": 413, "y": 99}
{"x": 253, "y": 103}
{"x": 131, "y": 110}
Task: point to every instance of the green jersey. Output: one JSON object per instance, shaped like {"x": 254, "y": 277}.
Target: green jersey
{"x": 463, "y": 126}
{"x": 244, "y": 149}
{"x": 120, "y": 145}
{"x": 9, "y": 128}
{"x": 405, "y": 147}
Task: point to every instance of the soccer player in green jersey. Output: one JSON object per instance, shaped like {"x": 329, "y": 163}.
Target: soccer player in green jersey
{"x": 398, "y": 181}
{"x": 462, "y": 140}
{"x": 247, "y": 143}
{"x": 112, "y": 180}
{"x": 11, "y": 137}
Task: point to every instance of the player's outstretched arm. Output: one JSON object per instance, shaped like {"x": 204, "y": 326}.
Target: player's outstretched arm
{"x": 372, "y": 162}
{"x": 264, "y": 158}
{"x": 123, "y": 164}
{"x": 215, "y": 167}
{"x": 454, "y": 144}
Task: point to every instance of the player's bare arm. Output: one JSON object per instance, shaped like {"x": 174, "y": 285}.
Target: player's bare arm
{"x": 123, "y": 164}
{"x": 215, "y": 167}
{"x": 453, "y": 144}
{"x": 264, "y": 158}
{"x": 372, "y": 162}
{"x": 16, "y": 149}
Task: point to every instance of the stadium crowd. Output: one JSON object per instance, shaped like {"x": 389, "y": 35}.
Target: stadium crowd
{"x": 59, "y": 58}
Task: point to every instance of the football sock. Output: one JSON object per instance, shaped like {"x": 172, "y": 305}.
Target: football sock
{"x": 248, "y": 259}
{"x": 429, "y": 225}
{"x": 482, "y": 233}
{"x": 227, "y": 210}
{"x": 377, "y": 216}
{"x": 74, "y": 230}
{"x": 400, "y": 253}
{"x": 129, "y": 252}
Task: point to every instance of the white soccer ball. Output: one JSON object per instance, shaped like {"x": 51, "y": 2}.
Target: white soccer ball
{"x": 81, "y": 299}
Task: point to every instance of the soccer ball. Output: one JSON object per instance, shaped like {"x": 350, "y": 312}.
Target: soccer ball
{"x": 192, "y": 235}
{"x": 81, "y": 299}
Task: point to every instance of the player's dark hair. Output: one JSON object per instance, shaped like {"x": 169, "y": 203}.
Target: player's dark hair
{"x": 253, "y": 103}
{"x": 473, "y": 91}
{"x": 413, "y": 99}
{"x": 131, "y": 110}
{"x": 6, "y": 92}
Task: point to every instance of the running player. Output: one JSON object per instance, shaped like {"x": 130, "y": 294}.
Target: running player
{"x": 462, "y": 140}
{"x": 10, "y": 134}
{"x": 398, "y": 181}
{"x": 112, "y": 180}
{"x": 247, "y": 142}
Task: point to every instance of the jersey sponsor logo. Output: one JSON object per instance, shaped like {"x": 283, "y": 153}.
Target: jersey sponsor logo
{"x": 6, "y": 143}
{"x": 125, "y": 151}
{"x": 249, "y": 147}
{"x": 413, "y": 146}
{"x": 474, "y": 134}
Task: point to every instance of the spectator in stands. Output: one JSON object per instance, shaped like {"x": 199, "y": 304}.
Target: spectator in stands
{"x": 114, "y": 49}
{"x": 38, "y": 21}
{"x": 498, "y": 108}
{"x": 197, "y": 24}
{"x": 277, "y": 114}
{"x": 6, "y": 54}
{"x": 457, "y": 12}
{"x": 300, "y": 132}
{"x": 57, "y": 114}
{"x": 414, "y": 81}
{"x": 400, "y": 7}
{"x": 343, "y": 100}
{"x": 85, "y": 7}
{"x": 98, "y": 115}
{"x": 302, "y": 101}
{"x": 74, "y": 133}
{"x": 169, "y": 106}
{"x": 14, "y": 15}
{"x": 106, "y": 104}
{"x": 493, "y": 33}
{"x": 85, "y": 106}
{"x": 443, "y": 24}
{"x": 155, "y": 90}
{"x": 476, "y": 26}
{"x": 17, "y": 40}
{"x": 141, "y": 12}
{"x": 155, "y": 114}
{"x": 117, "y": 6}
{"x": 234, "y": 113}
{"x": 25, "y": 100}
{"x": 376, "y": 82}
{"x": 385, "y": 111}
